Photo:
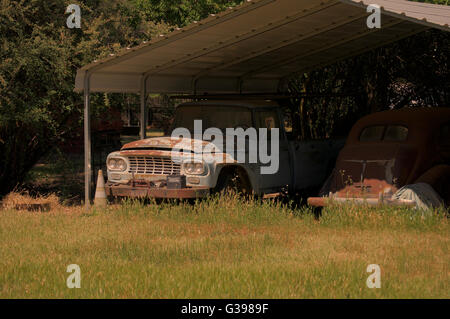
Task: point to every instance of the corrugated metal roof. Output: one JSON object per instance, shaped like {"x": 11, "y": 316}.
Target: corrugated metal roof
{"x": 257, "y": 46}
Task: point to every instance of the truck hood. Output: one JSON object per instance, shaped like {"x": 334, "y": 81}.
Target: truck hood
{"x": 164, "y": 146}
{"x": 165, "y": 143}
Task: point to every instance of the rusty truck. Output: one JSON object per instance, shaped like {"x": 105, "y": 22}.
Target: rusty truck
{"x": 145, "y": 168}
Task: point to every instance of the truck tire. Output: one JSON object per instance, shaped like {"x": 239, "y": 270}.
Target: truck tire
{"x": 233, "y": 180}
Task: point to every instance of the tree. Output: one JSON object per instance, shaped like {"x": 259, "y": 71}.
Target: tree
{"x": 411, "y": 73}
{"x": 179, "y": 12}
{"x": 38, "y": 61}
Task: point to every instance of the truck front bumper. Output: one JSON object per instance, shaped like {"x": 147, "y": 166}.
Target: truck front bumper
{"x": 146, "y": 191}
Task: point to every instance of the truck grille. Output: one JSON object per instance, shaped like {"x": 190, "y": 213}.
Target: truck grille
{"x": 153, "y": 165}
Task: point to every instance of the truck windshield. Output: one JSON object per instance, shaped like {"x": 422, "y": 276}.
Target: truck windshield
{"x": 221, "y": 117}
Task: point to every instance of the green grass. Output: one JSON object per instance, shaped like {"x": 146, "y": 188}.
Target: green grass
{"x": 223, "y": 248}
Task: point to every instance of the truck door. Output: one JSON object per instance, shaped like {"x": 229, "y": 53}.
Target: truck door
{"x": 270, "y": 119}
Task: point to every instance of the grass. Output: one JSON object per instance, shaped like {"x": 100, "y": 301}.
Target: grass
{"x": 223, "y": 248}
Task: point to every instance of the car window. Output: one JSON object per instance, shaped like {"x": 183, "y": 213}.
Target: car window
{"x": 396, "y": 133}
{"x": 372, "y": 134}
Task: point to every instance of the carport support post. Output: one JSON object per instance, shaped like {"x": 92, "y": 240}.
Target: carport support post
{"x": 144, "y": 108}
{"x": 87, "y": 143}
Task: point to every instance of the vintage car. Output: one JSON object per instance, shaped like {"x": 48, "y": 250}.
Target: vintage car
{"x": 172, "y": 167}
{"x": 389, "y": 150}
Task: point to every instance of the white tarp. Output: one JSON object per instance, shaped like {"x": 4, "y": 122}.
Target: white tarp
{"x": 422, "y": 194}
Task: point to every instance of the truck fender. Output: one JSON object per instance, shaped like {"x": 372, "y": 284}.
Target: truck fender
{"x": 236, "y": 170}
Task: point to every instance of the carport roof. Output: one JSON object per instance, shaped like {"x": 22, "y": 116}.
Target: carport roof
{"x": 257, "y": 46}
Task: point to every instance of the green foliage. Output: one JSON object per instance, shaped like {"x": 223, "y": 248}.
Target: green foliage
{"x": 179, "y": 12}
{"x": 410, "y": 73}
{"x": 38, "y": 60}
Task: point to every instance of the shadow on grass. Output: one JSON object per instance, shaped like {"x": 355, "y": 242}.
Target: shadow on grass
{"x": 59, "y": 174}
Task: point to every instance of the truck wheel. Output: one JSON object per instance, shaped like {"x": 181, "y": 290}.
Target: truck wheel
{"x": 233, "y": 181}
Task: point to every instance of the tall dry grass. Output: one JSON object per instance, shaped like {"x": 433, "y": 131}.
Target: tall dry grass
{"x": 223, "y": 248}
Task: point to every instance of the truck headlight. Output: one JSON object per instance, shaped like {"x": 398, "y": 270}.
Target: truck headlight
{"x": 194, "y": 168}
{"x": 117, "y": 164}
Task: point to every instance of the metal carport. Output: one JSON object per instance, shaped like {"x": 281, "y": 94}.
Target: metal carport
{"x": 253, "y": 48}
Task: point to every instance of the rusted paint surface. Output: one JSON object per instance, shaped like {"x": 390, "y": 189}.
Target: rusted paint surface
{"x": 366, "y": 169}
{"x": 327, "y": 201}
{"x": 177, "y": 148}
{"x": 165, "y": 142}
{"x": 145, "y": 190}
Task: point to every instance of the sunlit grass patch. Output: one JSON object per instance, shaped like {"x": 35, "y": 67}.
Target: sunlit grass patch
{"x": 223, "y": 247}
{"x": 384, "y": 217}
